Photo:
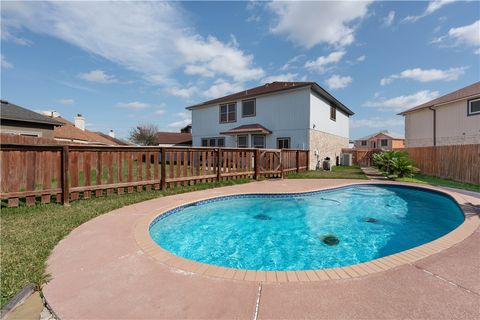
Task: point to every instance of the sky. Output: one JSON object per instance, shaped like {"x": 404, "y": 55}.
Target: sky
{"x": 122, "y": 64}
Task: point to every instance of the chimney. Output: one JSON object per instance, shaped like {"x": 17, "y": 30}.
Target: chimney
{"x": 80, "y": 122}
{"x": 112, "y": 133}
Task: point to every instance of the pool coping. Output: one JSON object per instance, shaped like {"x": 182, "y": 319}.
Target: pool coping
{"x": 151, "y": 248}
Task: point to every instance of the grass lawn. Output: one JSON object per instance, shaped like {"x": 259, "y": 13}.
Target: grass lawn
{"x": 28, "y": 234}
{"x": 338, "y": 172}
{"x": 434, "y": 181}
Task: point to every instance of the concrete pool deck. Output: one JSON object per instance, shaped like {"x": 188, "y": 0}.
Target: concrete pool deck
{"x": 99, "y": 271}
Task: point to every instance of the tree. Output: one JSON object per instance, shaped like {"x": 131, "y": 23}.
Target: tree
{"x": 144, "y": 135}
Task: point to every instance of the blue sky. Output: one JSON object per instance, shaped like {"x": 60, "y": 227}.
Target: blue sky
{"x": 125, "y": 63}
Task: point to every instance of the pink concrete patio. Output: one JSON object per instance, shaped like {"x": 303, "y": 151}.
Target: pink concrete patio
{"x": 99, "y": 271}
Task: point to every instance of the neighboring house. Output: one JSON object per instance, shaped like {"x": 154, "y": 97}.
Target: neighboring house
{"x": 381, "y": 140}
{"x": 76, "y": 132}
{"x": 111, "y": 136}
{"x": 178, "y": 139}
{"x": 21, "y": 121}
{"x": 299, "y": 115}
{"x": 448, "y": 120}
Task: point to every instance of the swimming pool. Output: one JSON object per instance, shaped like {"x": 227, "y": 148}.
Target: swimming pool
{"x": 314, "y": 230}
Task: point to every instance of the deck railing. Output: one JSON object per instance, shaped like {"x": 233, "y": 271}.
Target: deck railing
{"x": 64, "y": 173}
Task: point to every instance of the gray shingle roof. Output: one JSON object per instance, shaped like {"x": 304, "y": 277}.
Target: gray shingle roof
{"x": 10, "y": 111}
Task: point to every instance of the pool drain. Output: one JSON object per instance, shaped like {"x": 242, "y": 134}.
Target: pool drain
{"x": 262, "y": 216}
{"x": 371, "y": 220}
{"x": 330, "y": 239}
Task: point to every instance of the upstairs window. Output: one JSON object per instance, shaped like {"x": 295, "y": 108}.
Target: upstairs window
{"x": 333, "y": 113}
{"x": 283, "y": 143}
{"x": 383, "y": 143}
{"x": 474, "y": 107}
{"x": 248, "y": 108}
{"x": 242, "y": 141}
{"x": 364, "y": 142}
{"x": 228, "y": 112}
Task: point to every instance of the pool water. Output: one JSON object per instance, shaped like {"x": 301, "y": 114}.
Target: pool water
{"x": 316, "y": 230}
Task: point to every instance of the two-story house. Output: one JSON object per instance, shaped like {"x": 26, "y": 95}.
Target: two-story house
{"x": 299, "y": 115}
{"x": 384, "y": 140}
{"x": 448, "y": 120}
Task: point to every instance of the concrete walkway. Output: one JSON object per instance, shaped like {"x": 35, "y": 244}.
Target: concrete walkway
{"x": 99, "y": 272}
{"x": 372, "y": 173}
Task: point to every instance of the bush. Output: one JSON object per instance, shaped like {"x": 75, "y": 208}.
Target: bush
{"x": 395, "y": 164}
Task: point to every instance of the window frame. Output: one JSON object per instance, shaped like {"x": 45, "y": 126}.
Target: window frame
{"x": 469, "y": 107}
{"x": 246, "y": 140}
{"x": 381, "y": 143}
{"x": 254, "y": 108}
{"x": 264, "y": 141}
{"x": 228, "y": 104}
{"x": 334, "y": 109}
{"x": 216, "y": 139}
{"x": 288, "y": 139}
{"x": 363, "y": 143}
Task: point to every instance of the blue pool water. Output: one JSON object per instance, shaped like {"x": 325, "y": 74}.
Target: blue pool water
{"x": 316, "y": 230}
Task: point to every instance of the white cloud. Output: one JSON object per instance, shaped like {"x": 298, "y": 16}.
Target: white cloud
{"x": 7, "y": 36}
{"x": 388, "y": 20}
{"x": 97, "y": 76}
{"x": 469, "y": 34}
{"x": 426, "y": 75}
{"x": 222, "y": 87}
{"x": 361, "y": 58}
{"x": 290, "y": 63}
{"x": 185, "y": 93}
{"x": 135, "y": 105}
{"x": 338, "y": 82}
{"x": 321, "y": 63}
{"x": 160, "y": 112}
{"x": 310, "y": 23}
{"x": 210, "y": 57}
{"x": 402, "y": 103}
{"x": 282, "y": 77}
{"x": 4, "y": 63}
{"x": 431, "y": 8}
{"x": 152, "y": 38}
{"x": 184, "y": 119}
{"x": 377, "y": 122}
{"x": 66, "y": 102}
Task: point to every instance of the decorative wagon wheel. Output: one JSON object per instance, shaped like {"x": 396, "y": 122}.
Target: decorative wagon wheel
{"x": 276, "y": 154}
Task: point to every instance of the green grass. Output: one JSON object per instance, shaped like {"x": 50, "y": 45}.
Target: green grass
{"x": 338, "y": 172}
{"x": 434, "y": 181}
{"x": 28, "y": 234}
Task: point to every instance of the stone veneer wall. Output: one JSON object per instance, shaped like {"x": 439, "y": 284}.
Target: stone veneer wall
{"x": 327, "y": 145}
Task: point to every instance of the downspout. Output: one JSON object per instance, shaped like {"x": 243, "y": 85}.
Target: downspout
{"x": 434, "y": 125}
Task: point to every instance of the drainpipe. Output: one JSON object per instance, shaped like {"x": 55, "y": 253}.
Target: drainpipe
{"x": 434, "y": 125}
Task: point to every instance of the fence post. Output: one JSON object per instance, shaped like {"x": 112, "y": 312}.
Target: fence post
{"x": 256, "y": 162}
{"x": 308, "y": 161}
{"x": 297, "y": 155}
{"x": 219, "y": 164}
{"x": 65, "y": 186}
{"x": 281, "y": 163}
{"x": 163, "y": 169}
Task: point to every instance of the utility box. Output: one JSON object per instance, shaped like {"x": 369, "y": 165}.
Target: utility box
{"x": 346, "y": 159}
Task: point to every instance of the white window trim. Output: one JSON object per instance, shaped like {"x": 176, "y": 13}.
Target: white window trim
{"x": 469, "y": 107}
{"x": 264, "y": 141}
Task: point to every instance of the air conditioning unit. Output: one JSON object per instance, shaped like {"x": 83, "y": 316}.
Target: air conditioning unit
{"x": 346, "y": 159}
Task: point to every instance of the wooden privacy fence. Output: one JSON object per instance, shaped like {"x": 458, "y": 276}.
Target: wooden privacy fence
{"x": 70, "y": 172}
{"x": 457, "y": 162}
{"x": 362, "y": 157}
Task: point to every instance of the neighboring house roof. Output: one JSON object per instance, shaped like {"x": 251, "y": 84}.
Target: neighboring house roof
{"x": 116, "y": 141}
{"x": 392, "y": 135}
{"x": 272, "y": 88}
{"x": 174, "y": 138}
{"x": 248, "y": 128}
{"x": 69, "y": 131}
{"x": 464, "y": 93}
{"x": 10, "y": 111}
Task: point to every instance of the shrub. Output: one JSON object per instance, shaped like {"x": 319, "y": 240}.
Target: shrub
{"x": 395, "y": 164}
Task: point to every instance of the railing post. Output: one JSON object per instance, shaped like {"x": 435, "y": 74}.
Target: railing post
{"x": 256, "y": 162}
{"x": 65, "y": 186}
{"x": 163, "y": 169}
{"x": 298, "y": 160}
{"x": 219, "y": 164}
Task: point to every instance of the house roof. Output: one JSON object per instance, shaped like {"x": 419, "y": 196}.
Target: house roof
{"x": 116, "y": 141}
{"x": 174, "y": 138}
{"x": 272, "y": 88}
{"x": 248, "y": 128}
{"x": 392, "y": 135}
{"x": 464, "y": 93}
{"x": 10, "y": 111}
{"x": 69, "y": 131}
